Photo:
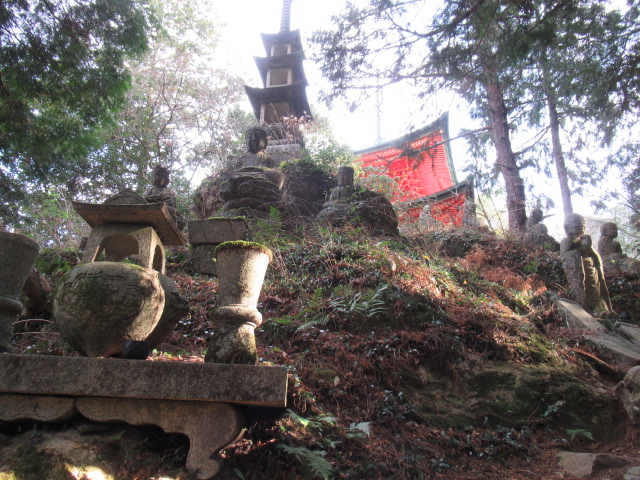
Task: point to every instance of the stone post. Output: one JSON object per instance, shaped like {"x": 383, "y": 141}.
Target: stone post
{"x": 241, "y": 270}
{"x": 17, "y": 254}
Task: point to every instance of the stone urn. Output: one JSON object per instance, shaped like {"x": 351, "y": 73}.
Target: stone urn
{"x": 17, "y": 254}
{"x": 100, "y": 306}
{"x": 241, "y": 270}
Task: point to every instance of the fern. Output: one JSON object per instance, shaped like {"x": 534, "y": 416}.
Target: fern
{"x": 312, "y": 461}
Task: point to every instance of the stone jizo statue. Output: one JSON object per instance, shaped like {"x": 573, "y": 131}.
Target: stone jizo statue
{"x": 583, "y": 268}
{"x": 159, "y": 192}
{"x": 610, "y": 250}
{"x": 537, "y": 233}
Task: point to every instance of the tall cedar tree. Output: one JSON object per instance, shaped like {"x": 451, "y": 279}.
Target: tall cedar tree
{"x": 476, "y": 47}
{"x": 62, "y": 77}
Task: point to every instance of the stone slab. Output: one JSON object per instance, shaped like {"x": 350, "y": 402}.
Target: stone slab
{"x": 214, "y": 231}
{"x": 155, "y": 215}
{"x": 119, "y": 378}
{"x": 630, "y": 332}
{"x": 623, "y": 351}
{"x": 577, "y": 317}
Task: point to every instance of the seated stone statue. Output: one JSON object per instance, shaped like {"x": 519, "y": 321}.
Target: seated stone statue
{"x": 347, "y": 205}
{"x": 256, "y": 139}
{"x": 255, "y": 183}
{"x": 159, "y": 192}
{"x": 610, "y": 250}
{"x": 537, "y": 233}
{"x": 583, "y": 268}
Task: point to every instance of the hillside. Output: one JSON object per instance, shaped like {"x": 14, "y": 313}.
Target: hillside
{"x": 436, "y": 356}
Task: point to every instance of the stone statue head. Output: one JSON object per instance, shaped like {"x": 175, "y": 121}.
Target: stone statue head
{"x": 537, "y": 215}
{"x": 609, "y": 229}
{"x": 256, "y": 139}
{"x": 160, "y": 176}
{"x": 574, "y": 225}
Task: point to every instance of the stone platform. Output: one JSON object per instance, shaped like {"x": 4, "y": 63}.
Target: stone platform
{"x": 196, "y": 399}
{"x": 623, "y": 345}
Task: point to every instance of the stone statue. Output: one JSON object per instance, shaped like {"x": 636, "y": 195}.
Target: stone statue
{"x": 537, "y": 233}
{"x": 160, "y": 192}
{"x": 583, "y": 268}
{"x": 610, "y": 250}
{"x": 348, "y": 205}
{"x": 257, "y": 156}
{"x": 255, "y": 184}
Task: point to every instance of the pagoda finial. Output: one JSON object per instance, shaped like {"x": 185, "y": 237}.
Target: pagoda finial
{"x": 285, "y": 19}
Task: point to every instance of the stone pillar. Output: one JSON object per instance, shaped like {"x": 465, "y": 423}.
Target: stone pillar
{"x": 17, "y": 254}
{"x": 206, "y": 235}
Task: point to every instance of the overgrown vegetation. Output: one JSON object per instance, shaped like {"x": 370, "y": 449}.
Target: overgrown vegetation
{"x": 408, "y": 358}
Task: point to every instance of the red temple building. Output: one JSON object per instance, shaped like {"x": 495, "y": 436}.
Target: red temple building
{"x": 421, "y": 165}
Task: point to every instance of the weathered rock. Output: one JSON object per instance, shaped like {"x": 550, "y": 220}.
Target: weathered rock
{"x": 629, "y": 392}
{"x": 584, "y": 465}
{"x": 632, "y": 474}
{"x": 251, "y": 182}
{"x": 614, "y": 261}
{"x": 369, "y": 209}
{"x": 576, "y": 316}
{"x": 98, "y": 306}
{"x": 305, "y": 188}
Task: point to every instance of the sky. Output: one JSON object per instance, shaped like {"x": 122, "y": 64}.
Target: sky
{"x": 240, "y": 42}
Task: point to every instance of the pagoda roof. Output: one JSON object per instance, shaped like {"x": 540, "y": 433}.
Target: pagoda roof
{"x": 291, "y": 36}
{"x": 294, "y": 93}
{"x": 293, "y": 61}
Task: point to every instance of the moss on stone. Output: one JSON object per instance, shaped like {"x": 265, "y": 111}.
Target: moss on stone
{"x": 241, "y": 244}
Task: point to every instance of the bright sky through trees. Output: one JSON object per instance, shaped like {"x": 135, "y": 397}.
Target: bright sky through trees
{"x": 246, "y": 19}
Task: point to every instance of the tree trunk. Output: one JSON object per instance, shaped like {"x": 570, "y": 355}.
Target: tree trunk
{"x": 505, "y": 159}
{"x": 558, "y": 156}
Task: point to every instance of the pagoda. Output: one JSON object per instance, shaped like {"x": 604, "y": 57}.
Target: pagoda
{"x": 284, "y": 82}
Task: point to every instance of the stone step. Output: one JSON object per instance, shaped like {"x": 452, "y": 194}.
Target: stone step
{"x": 153, "y": 380}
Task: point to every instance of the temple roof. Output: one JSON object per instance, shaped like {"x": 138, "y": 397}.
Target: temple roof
{"x": 442, "y": 123}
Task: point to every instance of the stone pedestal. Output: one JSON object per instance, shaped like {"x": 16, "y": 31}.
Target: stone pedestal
{"x": 198, "y": 400}
{"x": 206, "y": 235}
{"x": 17, "y": 254}
{"x": 241, "y": 270}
